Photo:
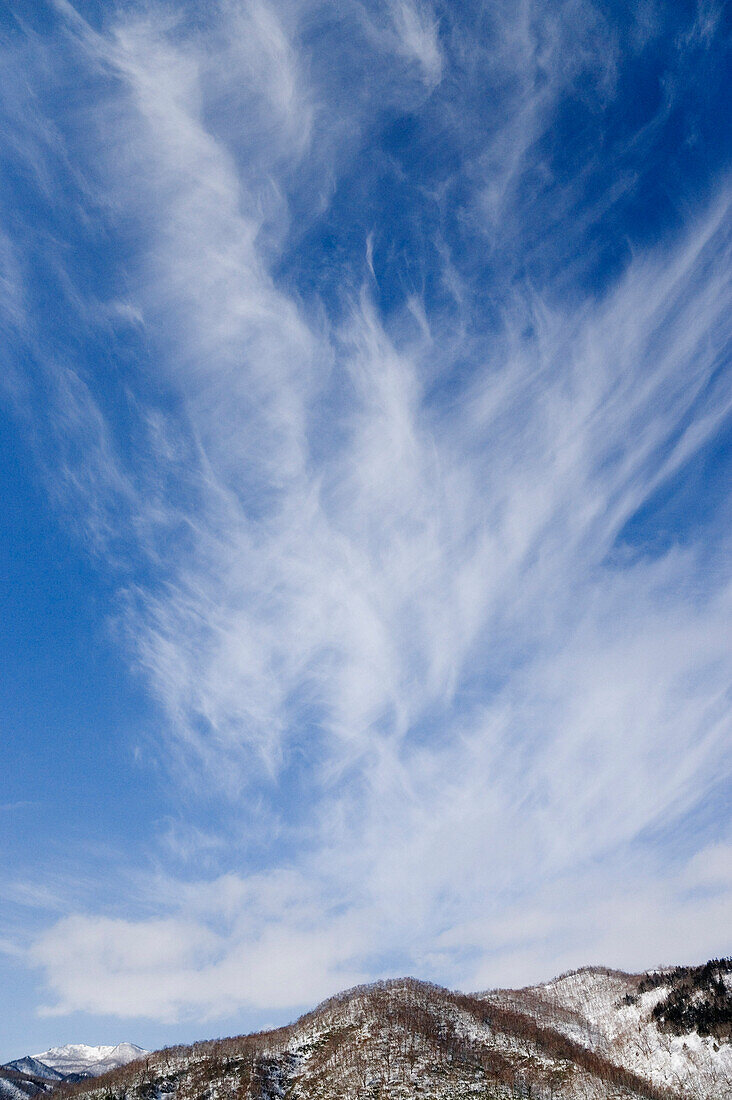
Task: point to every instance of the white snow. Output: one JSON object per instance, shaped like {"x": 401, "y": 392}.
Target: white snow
{"x": 80, "y": 1058}
{"x": 9, "y": 1091}
{"x": 628, "y": 1035}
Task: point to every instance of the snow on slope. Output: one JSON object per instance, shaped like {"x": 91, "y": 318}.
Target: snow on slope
{"x": 603, "y": 1010}
{"x": 391, "y": 1041}
{"x": 79, "y": 1058}
{"x": 36, "y": 1069}
{"x": 589, "y": 1035}
{"x": 15, "y": 1085}
{"x": 9, "y": 1090}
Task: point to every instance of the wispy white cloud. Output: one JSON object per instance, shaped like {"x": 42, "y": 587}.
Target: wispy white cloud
{"x": 404, "y": 636}
{"x": 417, "y": 37}
{"x": 711, "y": 867}
{"x": 11, "y": 284}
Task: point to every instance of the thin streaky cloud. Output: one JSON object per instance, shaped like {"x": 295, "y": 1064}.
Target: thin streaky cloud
{"x": 378, "y": 510}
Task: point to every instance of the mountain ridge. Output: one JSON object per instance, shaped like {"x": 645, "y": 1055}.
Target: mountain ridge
{"x": 589, "y": 1034}
{"x": 36, "y": 1073}
{"x": 78, "y": 1058}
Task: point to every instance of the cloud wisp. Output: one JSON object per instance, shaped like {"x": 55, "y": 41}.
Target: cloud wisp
{"x": 380, "y": 559}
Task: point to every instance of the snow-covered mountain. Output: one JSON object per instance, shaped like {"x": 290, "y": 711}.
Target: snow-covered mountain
{"x": 28, "y": 1077}
{"x": 671, "y": 1026}
{"x": 31, "y": 1067}
{"x": 78, "y": 1058}
{"x": 594, "y": 1034}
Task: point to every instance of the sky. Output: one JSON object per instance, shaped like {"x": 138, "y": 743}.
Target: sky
{"x": 365, "y": 459}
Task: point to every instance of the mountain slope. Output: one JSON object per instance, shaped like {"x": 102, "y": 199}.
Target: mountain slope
{"x": 35, "y": 1068}
{"x": 594, "y": 1034}
{"x": 671, "y": 1026}
{"x": 15, "y": 1085}
{"x": 28, "y": 1077}
{"x": 76, "y": 1058}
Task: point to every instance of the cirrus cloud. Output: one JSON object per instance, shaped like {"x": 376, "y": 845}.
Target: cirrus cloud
{"x": 384, "y": 548}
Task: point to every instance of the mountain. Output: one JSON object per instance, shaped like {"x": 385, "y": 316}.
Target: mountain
{"x": 593, "y": 1034}
{"x": 34, "y": 1068}
{"x": 15, "y": 1085}
{"x": 76, "y": 1058}
{"x": 671, "y": 1026}
{"x": 39, "y": 1073}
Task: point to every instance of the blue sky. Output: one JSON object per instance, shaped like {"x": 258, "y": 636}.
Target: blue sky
{"x": 365, "y": 530}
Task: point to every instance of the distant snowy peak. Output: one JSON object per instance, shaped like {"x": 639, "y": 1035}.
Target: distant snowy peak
{"x": 120, "y": 1055}
{"x": 79, "y": 1058}
{"x": 34, "y": 1068}
{"x": 73, "y": 1058}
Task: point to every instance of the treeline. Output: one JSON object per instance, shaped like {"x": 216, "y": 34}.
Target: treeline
{"x": 560, "y": 1048}
{"x": 392, "y": 1038}
{"x": 699, "y": 998}
{"x": 26, "y": 1082}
